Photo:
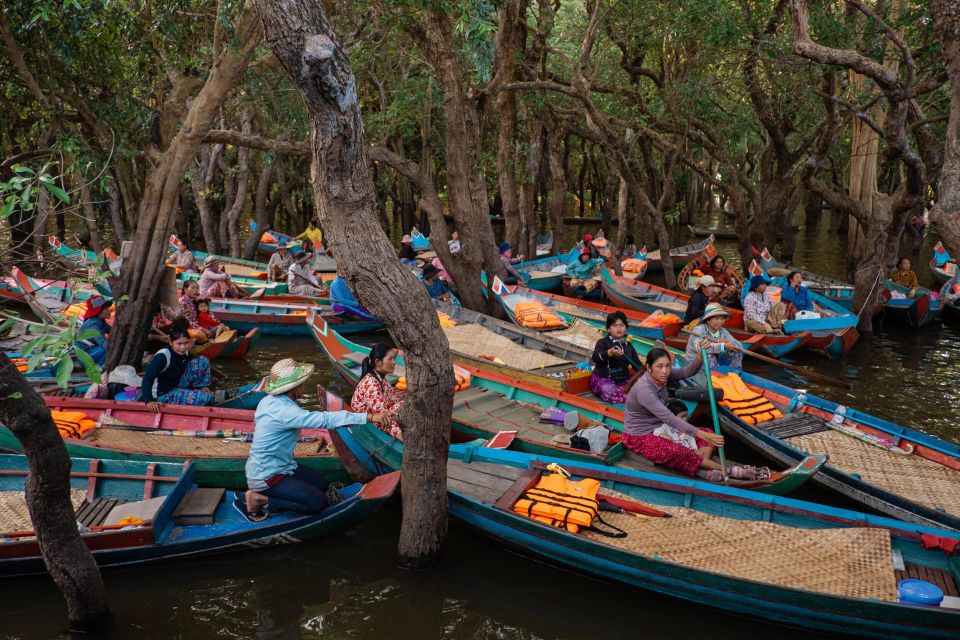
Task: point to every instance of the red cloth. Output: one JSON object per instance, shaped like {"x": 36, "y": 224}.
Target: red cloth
{"x": 666, "y": 453}
{"x": 207, "y": 321}
{"x": 722, "y": 277}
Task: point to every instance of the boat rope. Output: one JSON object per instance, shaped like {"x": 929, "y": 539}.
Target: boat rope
{"x": 866, "y": 300}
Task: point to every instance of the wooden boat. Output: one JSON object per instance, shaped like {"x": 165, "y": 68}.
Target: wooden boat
{"x": 922, "y": 309}
{"x": 913, "y": 477}
{"x": 688, "y": 280}
{"x": 780, "y": 560}
{"x": 942, "y": 264}
{"x": 706, "y": 232}
{"x": 101, "y": 489}
{"x": 82, "y": 258}
{"x": 495, "y": 402}
{"x": 485, "y": 342}
{"x": 284, "y": 319}
{"x": 546, "y": 274}
{"x": 544, "y": 244}
{"x": 833, "y": 334}
{"x": 951, "y": 305}
{"x": 270, "y": 239}
{"x": 830, "y": 288}
{"x": 145, "y": 436}
{"x": 678, "y": 255}
{"x": 248, "y": 285}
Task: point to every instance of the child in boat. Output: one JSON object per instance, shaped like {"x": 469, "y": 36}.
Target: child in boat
{"x": 508, "y": 261}
{"x": 905, "y": 276}
{"x": 174, "y": 376}
{"x": 312, "y": 237}
{"x": 189, "y": 294}
{"x": 274, "y": 479}
{"x": 95, "y": 329}
{"x": 207, "y": 320}
{"x": 612, "y": 357}
{"x": 723, "y": 349}
{"x": 760, "y": 313}
{"x": 374, "y": 393}
{"x": 647, "y": 411}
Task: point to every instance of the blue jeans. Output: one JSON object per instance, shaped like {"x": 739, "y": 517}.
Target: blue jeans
{"x": 302, "y": 492}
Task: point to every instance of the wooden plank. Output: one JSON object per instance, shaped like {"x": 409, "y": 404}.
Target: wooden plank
{"x": 467, "y": 473}
{"x": 509, "y": 497}
{"x": 198, "y": 506}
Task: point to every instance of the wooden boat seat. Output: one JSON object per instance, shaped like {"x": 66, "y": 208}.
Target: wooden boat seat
{"x": 794, "y": 424}
{"x": 93, "y": 513}
{"x": 939, "y": 577}
{"x": 480, "y": 480}
{"x": 673, "y": 307}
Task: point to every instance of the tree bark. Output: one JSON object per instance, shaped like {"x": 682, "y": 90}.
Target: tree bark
{"x": 90, "y": 216}
{"x": 301, "y": 37}
{"x": 260, "y": 211}
{"x": 205, "y": 167}
{"x": 945, "y": 213}
{"x": 509, "y": 45}
{"x": 558, "y": 186}
{"x": 143, "y": 268}
{"x": 68, "y": 560}
{"x": 240, "y": 198}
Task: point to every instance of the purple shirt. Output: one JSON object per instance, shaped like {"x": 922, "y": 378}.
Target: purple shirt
{"x": 647, "y": 404}
{"x": 756, "y": 306}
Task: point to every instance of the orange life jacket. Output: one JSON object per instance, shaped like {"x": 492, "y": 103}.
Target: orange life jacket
{"x": 445, "y": 320}
{"x": 73, "y": 424}
{"x": 534, "y": 315}
{"x": 462, "y": 375}
{"x": 660, "y": 320}
{"x": 633, "y": 265}
{"x": 559, "y": 502}
{"x": 746, "y": 404}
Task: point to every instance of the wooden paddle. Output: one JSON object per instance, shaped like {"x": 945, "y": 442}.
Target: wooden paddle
{"x": 713, "y": 409}
{"x": 810, "y": 373}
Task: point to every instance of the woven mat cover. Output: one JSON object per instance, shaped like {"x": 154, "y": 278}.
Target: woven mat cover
{"x": 14, "y": 515}
{"x": 916, "y": 478}
{"x": 476, "y": 340}
{"x": 579, "y": 334}
{"x": 574, "y": 310}
{"x": 855, "y": 562}
{"x": 183, "y": 445}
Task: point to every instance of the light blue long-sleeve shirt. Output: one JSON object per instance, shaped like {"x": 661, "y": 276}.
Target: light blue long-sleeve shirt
{"x": 278, "y": 421}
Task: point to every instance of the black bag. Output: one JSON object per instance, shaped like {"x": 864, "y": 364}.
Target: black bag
{"x": 579, "y": 442}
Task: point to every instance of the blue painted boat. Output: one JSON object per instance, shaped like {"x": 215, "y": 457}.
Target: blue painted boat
{"x": 546, "y": 274}
{"x": 951, "y": 304}
{"x": 268, "y": 245}
{"x": 834, "y": 333}
{"x": 832, "y": 289}
{"x": 419, "y": 242}
{"x": 920, "y": 310}
{"x": 942, "y": 264}
{"x": 483, "y": 485}
{"x": 160, "y": 536}
{"x": 79, "y": 258}
{"x": 285, "y": 319}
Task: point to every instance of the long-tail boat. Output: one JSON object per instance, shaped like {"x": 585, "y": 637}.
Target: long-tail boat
{"x": 546, "y": 274}
{"x": 213, "y": 438}
{"x": 131, "y": 513}
{"x": 830, "y": 288}
{"x": 688, "y": 280}
{"x": 78, "y": 258}
{"x": 921, "y": 309}
{"x": 678, "y": 255}
{"x": 284, "y": 319}
{"x": 715, "y": 232}
{"x": 780, "y": 560}
{"x": 942, "y": 265}
{"x": 494, "y": 402}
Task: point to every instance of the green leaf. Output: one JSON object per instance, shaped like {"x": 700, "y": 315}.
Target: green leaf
{"x": 16, "y": 395}
{"x": 34, "y": 361}
{"x": 64, "y": 369}
{"x": 7, "y": 210}
{"x": 24, "y": 170}
{"x": 89, "y": 366}
{"x": 61, "y": 195}
{"x": 7, "y": 324}
{"x": 87, "y": 334}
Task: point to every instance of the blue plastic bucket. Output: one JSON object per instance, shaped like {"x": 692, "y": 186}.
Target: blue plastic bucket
{"x": 919, "y": 592}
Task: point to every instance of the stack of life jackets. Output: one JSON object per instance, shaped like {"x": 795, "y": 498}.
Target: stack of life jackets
{"x": 534, "y": 315}
{"x": 746, "y": 404}
{"x": 633, "y": 265}
{"x": 462, "y": 375}
{"x": 73, "y": 424}
{"x": 445, "y": 320}
{"x": 660, "y": 319}
{"x": 559, "y": 502}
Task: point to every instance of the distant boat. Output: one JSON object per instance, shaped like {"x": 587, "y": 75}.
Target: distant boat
{"x": 704, "y": 232}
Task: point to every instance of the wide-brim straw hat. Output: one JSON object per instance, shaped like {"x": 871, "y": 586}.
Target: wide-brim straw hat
{"x": 125, "y": 375}
{"x": 209, "y": 260}
{"x": 713, "y": 310}
{"x": 285, "y": 375}
{"x": 707, "y": 281}
{"x": 281, "y": 245}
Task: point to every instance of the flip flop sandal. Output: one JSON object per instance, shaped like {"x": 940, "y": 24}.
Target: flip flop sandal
{"x": 334, "y": 493}
{"x": 240, "y": 504}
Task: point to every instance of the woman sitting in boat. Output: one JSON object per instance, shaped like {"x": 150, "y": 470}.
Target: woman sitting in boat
{"x": 583, "y": 272}
{"x": 796, "y": 296}
{"x": 760, "y": 313}
{"x": 279, "y": 263}
{"x": 508, "y": 262}
{"x": 189, "y": 294}
{"x": 443, "y": 275}
{"x": 904, "y": 276}
{"x": 374, "y": 394}
{"x": 300, "y": 280}
{"x": 183, "y": 258}
{"x": 434, "y": 285}
{"x": 174, "y": 376}
{"x": 629, "y": 248}
{"x": 343, "y": 300}
{"x": 723, "y": 349}
{"x": 612, "y": 357}
{"x": 274, "y": 479}
{"x": 408, "y": 257}
{"x": 312, "y": 237}
{"x": 717, "y": 269}
{"x": 698, "y": 302}
{"x": 216, "y": 283}
{"x": 95, "y": 329}
{"x": 671, "y": 446}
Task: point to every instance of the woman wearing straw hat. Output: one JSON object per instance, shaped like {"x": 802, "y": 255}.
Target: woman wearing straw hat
{"x": 274, "y": 478}
{"x": 300, "y": 281}
{"x": 723, "y": 349}
{"x": 279, "y": 263}
{"x": 95, "y": 329}
{"x": 216, "y": 283}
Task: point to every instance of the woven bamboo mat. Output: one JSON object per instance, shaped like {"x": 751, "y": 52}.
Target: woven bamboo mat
{"x": 854, "y": 562}
{"x": 14, "y": 515}
{"x": 574, "y": 310}
{"x": 579, "y": 334}
{"x": 185, "y": 446}
{"x": 916, "y": 478}
{"x": 476, "y": 340}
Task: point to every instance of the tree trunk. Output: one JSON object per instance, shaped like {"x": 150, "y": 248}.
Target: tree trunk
{"x": 558, "y": 188}
{"x": 205, "y": 168}
{"x": 528, "y": 190}
{"x": 301, "y": 37}
{"x": 240, "y": 200}
{"x": 48, "y": 498}
{"x": 143, "y": 268}
{"x": 260, "y": 210}
{"x": 229, "y": 193}
{"x": 509, "y": 45}
{"x": 40, "y": 217}
{"x": 945, "y": 214}
{"x": 90, "y": 216}
{"x": 116, "y": 212}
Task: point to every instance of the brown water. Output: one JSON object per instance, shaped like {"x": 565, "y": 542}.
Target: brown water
{"x": 348, "y": 587}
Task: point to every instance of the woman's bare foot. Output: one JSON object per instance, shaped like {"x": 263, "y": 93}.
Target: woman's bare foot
{"x": 255, "y": 501}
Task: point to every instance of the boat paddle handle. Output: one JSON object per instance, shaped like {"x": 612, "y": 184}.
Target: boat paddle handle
{"x": 713, "y": 410}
